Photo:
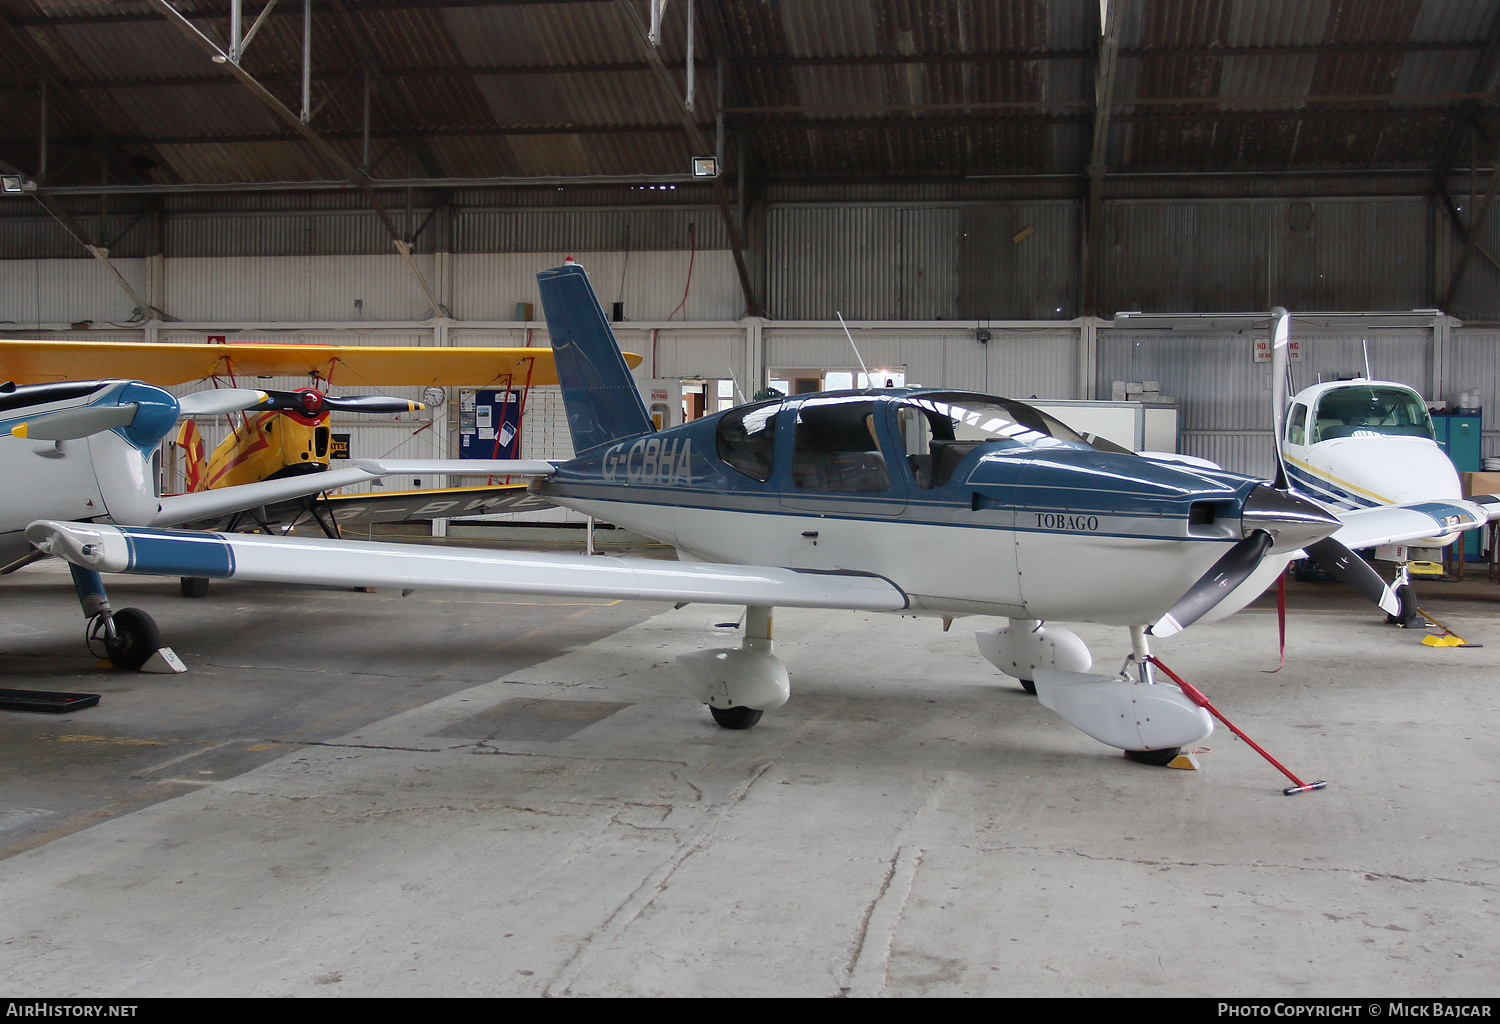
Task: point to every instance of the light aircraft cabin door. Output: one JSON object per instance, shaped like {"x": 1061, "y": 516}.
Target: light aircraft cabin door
{"x": 961, "y": 545}
{"x": 842, "y": 482}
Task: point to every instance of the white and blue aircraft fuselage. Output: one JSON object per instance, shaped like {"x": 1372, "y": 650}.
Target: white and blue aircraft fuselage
{"x": 904, "y": 500}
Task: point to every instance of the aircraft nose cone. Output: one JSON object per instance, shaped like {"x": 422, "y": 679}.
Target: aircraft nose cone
{"x": 1293, "y": 522}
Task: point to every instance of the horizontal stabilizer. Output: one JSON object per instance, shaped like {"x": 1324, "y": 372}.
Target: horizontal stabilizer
{"x": 410, "y": 566}
{"x": 177, "y": 509}
{"x": 69, "y": 424}
{"x": 460, "y": 467}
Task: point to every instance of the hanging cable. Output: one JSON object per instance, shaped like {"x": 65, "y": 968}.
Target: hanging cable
{"x": 692, "y": 253}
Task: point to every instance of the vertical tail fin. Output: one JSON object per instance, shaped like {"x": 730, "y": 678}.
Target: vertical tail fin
{"x": 604, "y": 405}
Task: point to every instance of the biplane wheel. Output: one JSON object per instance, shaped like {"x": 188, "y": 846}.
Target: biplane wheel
{"x": 1156, "y": 758}
{"x": 1029, "y": 685}
{"x": 735, "y": 718}
{"x": 136, "y": 639}
{"x": 1408, "y": 615}
{"x": 195, "y": 586}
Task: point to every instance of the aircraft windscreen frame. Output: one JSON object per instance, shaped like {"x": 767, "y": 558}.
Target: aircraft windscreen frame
{"x": 988, "y": 418}
{"x": 1371, "y": 410}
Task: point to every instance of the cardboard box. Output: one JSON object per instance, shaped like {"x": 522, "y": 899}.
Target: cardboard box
{"x": 1480, "y": 483}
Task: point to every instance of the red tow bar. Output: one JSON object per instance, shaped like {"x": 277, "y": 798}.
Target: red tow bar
{"x": 1196, "y": 696}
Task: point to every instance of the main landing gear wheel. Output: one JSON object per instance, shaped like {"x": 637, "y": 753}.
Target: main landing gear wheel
{"x": 1408, "y": 616}
{"x": 136, "y": 639}
{"x": 735, "y": 718}
{"x": 194, "y": 586}
{"x": 1029, "y": 685}
{"x": 1156, "y": 758}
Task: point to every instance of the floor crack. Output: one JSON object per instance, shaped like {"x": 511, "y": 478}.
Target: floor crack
{"x": 641, "y": 898}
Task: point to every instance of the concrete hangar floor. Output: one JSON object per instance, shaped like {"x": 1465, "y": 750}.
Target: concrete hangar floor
{"x": 451, "y": 794}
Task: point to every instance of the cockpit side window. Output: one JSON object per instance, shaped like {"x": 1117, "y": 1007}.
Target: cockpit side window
{"x": 837, "y": 448}
{"x": 1296, "y": 425}
{"x": 746, "y": 439}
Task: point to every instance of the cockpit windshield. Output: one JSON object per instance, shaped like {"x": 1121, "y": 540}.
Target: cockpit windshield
{"x": 940, "y": 430}
{"x": 1370, "y": 410}
{"x": 984, "y": 418}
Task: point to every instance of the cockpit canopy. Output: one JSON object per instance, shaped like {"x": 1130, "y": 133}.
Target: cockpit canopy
{"x": 1360, "y": 410}
{"x": 837, "y": 445}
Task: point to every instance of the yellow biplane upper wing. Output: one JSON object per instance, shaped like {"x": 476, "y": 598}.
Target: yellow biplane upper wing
{"x": 39, "y": 362}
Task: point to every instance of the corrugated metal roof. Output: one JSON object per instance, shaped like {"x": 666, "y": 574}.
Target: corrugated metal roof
{"x": 815, "y": 91}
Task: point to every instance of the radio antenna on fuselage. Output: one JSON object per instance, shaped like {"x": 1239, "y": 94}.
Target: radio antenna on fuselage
{"x": 862, "y": 368}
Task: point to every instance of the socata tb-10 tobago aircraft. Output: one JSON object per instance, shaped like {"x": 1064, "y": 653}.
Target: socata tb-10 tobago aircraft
{"x": 905, "y": 500}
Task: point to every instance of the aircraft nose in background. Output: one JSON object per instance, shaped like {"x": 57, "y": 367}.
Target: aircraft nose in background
{"x": 1293, "y": 522}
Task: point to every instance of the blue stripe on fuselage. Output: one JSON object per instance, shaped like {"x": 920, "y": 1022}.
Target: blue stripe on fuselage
{"x": 1325, "y": 490}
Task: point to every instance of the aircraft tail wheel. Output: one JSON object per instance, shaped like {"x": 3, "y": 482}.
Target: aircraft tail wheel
{"x": 1408, "y": 615}
{"x": 736, "y": 717}
{"x": 136, "y": 639}
{"x": 1156, "y": 758}
{"x": 195, "y": 586}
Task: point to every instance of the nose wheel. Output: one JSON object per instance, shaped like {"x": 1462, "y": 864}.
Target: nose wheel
{"x": 129, "y": 637}
{"x": 736, "y": 717}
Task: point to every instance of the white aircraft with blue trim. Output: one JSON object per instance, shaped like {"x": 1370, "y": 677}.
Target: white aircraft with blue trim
{"x": 90, "y": 451}
{"x": 910, "y": 501}
{"x": 1368, "y": 444}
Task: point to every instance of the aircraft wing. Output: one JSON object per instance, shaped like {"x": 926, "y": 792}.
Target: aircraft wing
{"x": 1435, "y": 522}
{"x": 365, "y": 563}
{"x": 36, "y": 362}
{"x": 177, "y": 509}
{"x": 391, "y": 507}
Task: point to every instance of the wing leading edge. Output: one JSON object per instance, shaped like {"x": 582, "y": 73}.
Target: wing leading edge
{"x": 1424, "y": 523}
{"x": 364, "y": 563}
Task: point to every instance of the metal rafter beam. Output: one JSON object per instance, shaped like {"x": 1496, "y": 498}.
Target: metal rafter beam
{"x": 60, "y": 94}
{"x": 394, "y": 96}
{"x": 1449, "y": 207}
{"x": 752, "y": 63}
{"x": 1471, "y": 243}
{"x": 700, "y": 146}
{"x": 99, "y": 252}
{"x": 358, "y": 177}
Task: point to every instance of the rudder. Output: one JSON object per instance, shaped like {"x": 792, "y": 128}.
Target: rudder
{"x": 604, "y": 405}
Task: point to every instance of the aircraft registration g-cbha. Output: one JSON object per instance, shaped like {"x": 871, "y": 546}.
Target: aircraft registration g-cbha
{"x": 905, "y": 500}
